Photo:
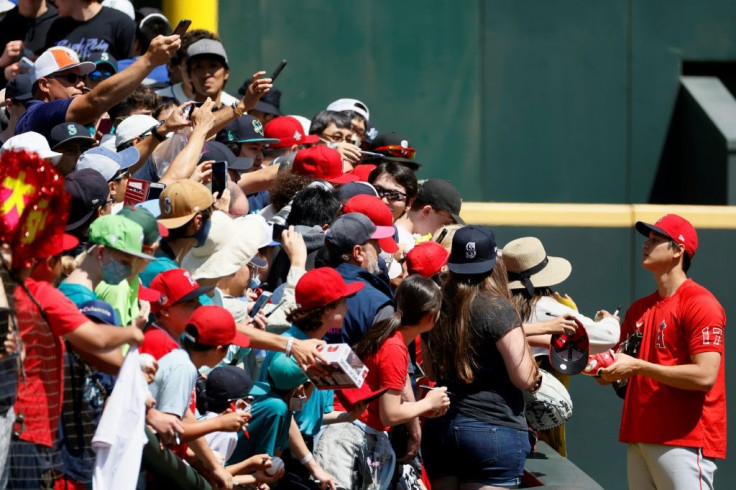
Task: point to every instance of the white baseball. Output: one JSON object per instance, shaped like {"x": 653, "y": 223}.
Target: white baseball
{"x": 277, "y": 464}
{"x": 146, "y": 361}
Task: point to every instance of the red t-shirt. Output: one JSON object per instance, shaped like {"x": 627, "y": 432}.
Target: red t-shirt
{"x": 674, "y": 328}
{"x": 157, "y": 342}
{"x": 387, "y": 368}
{"x": 40, "y": 394}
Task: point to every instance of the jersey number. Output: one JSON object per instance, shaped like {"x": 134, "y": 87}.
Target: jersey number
{"x": 712, "y": 335}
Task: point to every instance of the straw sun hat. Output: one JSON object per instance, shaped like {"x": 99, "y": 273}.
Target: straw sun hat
{"x": 529, "y": 266}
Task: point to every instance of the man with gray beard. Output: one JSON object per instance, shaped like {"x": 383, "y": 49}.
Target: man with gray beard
{"x": 352, "y": 245}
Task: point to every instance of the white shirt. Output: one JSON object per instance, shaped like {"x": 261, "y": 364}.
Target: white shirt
{"x": 222, "y": 443}
{"x": 120, "y": 436}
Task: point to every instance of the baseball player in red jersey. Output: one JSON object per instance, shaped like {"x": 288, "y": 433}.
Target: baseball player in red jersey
{"x": 674, "y": 415}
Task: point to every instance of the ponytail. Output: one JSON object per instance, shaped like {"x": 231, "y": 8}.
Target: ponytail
{"x": 416, "y": 297}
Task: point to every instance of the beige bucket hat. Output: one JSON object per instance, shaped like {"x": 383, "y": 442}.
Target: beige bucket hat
{"x": 529, "y": 266}
{"x": 230, "y": 245}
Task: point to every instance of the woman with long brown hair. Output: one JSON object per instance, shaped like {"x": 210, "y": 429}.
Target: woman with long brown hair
{"x": 479, "y": 351}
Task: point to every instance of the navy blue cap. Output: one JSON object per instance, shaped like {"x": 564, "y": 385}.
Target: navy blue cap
{"x": 568, "y": 354}
{"x": 69, "y": 131}
{"x": 224, "y": 384}
{"x": 20, "y": 88}
{"x": 473, "y": 251}
{"x": 99, "y": 311}
{"x": 88, "y": 190}
{"x": 214, "y": 150}
{"x": 245, "y": 129}
{"x": 352, "y": 189}
{"x": 103, "y": 58}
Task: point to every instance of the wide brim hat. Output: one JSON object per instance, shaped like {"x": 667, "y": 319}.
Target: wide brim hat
{"x": 527, "y": 261}
{"x": 229, "y": 247}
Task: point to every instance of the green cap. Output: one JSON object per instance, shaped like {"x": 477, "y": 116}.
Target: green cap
{"x": 146, "y": 220}
{"x": 119, "y": 233}
{"x": 285, "y": 374}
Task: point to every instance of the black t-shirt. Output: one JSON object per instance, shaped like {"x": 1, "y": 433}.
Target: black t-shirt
{"x": 110, "y": 30}
{"x": 15, "y": 27}
{"x": 491, "y": 397}
{"x": 32, "y": 32}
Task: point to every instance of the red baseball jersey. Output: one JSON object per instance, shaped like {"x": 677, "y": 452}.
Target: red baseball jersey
{"x": 674, "y": 328}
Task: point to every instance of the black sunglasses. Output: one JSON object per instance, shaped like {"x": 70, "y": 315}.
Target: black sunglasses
{"x": 390, "y": 194}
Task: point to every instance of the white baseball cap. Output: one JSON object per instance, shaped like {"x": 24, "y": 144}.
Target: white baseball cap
{"x": 132, "y": 127}
{"x": 34, "y": 142}
{"x": 107, "y": 162}
{"x": 354, "y": 105}
{"x": 56, "y": 59}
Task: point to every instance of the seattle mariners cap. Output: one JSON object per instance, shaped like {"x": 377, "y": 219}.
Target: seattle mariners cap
{"x": 473, "y": 251}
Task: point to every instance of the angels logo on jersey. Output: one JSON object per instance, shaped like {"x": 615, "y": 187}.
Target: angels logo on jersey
{"x": 660, "y": 335}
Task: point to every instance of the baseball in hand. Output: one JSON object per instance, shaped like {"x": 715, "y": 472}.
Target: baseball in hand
{"x": 277, "y": 464}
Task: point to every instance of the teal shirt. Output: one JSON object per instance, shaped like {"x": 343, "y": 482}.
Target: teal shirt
{"x": 268, "y": 427}
{"x": 161, "y": 264}
{"x": 77, "y": 293}
{"x": 319, "y": 403}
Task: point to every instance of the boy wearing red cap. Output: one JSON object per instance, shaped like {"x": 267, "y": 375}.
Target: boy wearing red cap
{"x": 179, "y": 299}
{"x": 320, "y": 296}
{"x": 674, "y": 416}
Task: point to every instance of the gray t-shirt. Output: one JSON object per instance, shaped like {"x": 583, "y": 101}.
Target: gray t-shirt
{"x": 174, "y": 383}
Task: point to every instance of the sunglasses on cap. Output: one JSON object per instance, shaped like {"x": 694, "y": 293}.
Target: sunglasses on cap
{"x": 120, "y": 174}
{"x": 397, "y": 151}
{"x": 97, "y": 76}
{"x": 389, "y": 194}
{"x": 240, "y": 405}
{"x": 71, "y": 78}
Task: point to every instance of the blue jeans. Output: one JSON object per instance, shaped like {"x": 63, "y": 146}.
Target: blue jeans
{"x": 474, "y": 451}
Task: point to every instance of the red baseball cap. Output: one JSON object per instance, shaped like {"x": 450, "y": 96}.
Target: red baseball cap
{"x": 362, "y": 171}
{"x": 426, "y": 258}
{"x": 61, "y": 242}
{"x": 321, "y": 162}
{"x": 378, "y": 212}
{"x": 176, "y": 286}
{"x": 351, "y": 397}
{"x": 675, "y": 228}
{"x": 289, "y": 132}
{"x": 148, "y": 294}
{"x": 322, "y": 286}
{"x": 214, "y": 325}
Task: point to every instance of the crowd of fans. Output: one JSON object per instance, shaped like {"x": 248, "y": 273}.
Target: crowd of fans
{"x": 164, "y": 250}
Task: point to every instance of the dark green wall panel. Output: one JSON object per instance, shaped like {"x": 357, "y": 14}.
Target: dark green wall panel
{"x": 555, "y": 101}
